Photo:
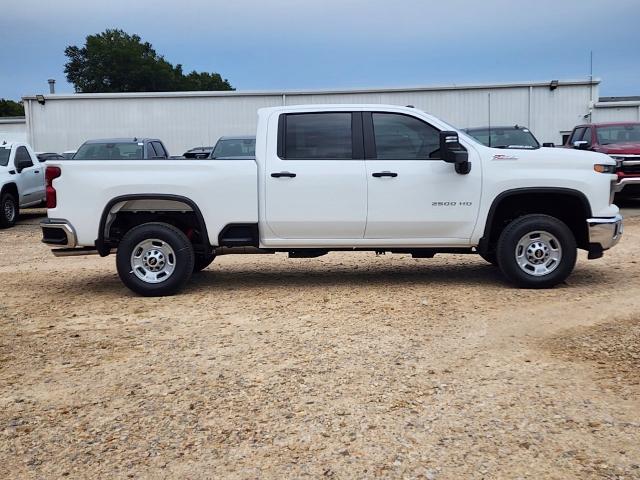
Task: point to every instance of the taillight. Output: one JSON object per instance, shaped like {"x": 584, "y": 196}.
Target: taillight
{"x": 51, "y": 173}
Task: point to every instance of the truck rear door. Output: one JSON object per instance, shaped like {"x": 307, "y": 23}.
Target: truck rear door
{"x": 316, "y": 186}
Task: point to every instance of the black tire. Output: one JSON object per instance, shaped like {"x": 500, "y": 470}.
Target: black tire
{"x": 559, "y": 270}
{"x": 202, "y": 261}
{"x": 9, "y": 210}
{"x": 490, "y": 257}
{"x": 179, "y": 254}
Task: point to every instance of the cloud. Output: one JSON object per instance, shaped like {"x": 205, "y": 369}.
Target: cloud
{"x": 333, "y": 43}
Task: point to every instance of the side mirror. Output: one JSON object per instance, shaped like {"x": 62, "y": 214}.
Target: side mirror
{"x": 22, "y": 164}
{"x": 581, "y": 144}
{"x": 549, "y": 144}
{"x": 452, "y": 152}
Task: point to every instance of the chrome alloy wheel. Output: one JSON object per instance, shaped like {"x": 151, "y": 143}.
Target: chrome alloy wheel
{"x": 153, "y": 260}
{"x": 538, "y": 253}
{"x": 9, "y": 208}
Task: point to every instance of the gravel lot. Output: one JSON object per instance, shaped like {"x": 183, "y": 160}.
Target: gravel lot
{"x": 345, "y": 366}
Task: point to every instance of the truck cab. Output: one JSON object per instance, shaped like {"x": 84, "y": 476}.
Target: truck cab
{"x": 21, "y": 181}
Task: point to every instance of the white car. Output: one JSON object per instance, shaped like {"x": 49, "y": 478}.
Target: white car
{"x": 21, "y": 181}
{"x": 339, "y": 177}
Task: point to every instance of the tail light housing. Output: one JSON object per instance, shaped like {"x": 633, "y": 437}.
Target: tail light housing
{"x": 51, "y": 173}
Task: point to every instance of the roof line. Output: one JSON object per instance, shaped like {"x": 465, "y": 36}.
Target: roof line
{"x": 248, "y": 93}
{"x": 12, "y": 120}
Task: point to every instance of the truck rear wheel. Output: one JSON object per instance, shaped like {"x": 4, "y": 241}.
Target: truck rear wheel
{"x": 155, "y": 259}
{"x": 536, "y": 251}
{"x": 9, "y": 210}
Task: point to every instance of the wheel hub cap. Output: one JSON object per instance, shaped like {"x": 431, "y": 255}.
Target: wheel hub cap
{"x": 538, "y": 253}
{"x": 9, "y": 210}
{"x": 153, "y": 260}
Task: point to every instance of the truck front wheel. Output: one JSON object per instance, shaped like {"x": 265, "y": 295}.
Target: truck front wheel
{"x": 155, "y": 259}
{"x": 9, "y": 210}
{"x": 536, "y": 251}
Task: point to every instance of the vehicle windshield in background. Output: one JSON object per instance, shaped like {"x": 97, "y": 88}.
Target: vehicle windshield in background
{"x": 618, "y": 134}
{"x": 234, "y": 147}
{"x": 505, "y": 137}
{"x": 4, "y": 156}
{"x": 110, "y": 151}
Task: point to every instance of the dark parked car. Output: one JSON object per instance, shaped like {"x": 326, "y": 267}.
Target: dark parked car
{"x": 242, "y": 147}
{"x": 198, "y": 152}
{"x": 43, "y": 157}
{"x": 515, "y": 136}
{"x": 122, "y": 149}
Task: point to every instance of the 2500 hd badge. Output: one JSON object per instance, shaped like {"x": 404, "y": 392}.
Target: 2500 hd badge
{"x": 451, "y": 204}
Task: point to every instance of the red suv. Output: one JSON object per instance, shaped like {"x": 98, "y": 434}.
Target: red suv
{"x": 621, "y": 141}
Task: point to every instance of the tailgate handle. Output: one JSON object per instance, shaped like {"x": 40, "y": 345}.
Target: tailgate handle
{"x": 384, "y": 174}
{"x": 283, "y": 174}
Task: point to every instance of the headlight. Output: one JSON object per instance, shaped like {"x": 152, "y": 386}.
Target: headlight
{"x": 600, "y": 168}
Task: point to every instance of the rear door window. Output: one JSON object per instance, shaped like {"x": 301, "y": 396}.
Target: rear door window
{"x": 318, "y": 136}
{"x": 160, "y": 152}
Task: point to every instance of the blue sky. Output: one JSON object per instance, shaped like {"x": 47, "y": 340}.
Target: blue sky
{"x": 289, "y": 44}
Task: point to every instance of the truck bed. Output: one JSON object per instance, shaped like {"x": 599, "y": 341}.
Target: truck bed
{"x": 225, "y": 191}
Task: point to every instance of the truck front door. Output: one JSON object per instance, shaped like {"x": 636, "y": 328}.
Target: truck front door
{"x": 30, "y": 179}
{"x": 412, "y": 193}
{"x": 315, "y": 183}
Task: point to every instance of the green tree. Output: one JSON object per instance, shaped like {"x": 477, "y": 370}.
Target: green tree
{"x": 9, "y": 108}
{"x": 114, "y": 61}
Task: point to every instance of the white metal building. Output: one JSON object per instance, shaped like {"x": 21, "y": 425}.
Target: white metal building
{"x": 187, "y": 119}
{"x": 13, "y": 129}
{"x": 617, "y": 109}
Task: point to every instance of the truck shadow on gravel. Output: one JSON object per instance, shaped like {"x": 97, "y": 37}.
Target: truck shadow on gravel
{"x": 475, "y": 275}
{"x": 267, "y": 276}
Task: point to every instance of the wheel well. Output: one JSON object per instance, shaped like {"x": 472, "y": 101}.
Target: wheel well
{"x": 11, "y": 188}
{"x": 570, "y": 207}
{"x": 124, "y": 213}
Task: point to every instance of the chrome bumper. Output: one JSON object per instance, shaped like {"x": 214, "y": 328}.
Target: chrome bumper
{"x": 624, "y": 182}
{"x": 605, "y": 232}
{"x": 58, "y": 233}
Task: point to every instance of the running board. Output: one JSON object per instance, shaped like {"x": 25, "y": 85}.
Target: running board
{"x": 75, "y": 252}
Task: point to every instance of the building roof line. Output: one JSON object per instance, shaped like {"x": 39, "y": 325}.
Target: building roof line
{"x": 12, "y": 120}
{"x": 248, "y": 93}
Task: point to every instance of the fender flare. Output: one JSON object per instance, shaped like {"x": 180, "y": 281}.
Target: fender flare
{"x": 483, "y": 244}
{"x": 104, "y": 250}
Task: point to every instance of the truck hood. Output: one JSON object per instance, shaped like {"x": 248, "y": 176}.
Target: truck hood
{"x": 630, "y": 148}
{"x": 554, "y": 155}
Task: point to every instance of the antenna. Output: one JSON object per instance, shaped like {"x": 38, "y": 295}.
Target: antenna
{"x": 489, "y": 98}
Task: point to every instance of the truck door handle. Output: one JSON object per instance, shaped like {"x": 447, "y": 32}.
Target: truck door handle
{"x": 384, "y": 174}
{"x": 36, "y": 171}
{"x": 283, "y": 174}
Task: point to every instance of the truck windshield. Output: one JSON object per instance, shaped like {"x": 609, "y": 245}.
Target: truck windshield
{"x": 4, "y": 156}
{"x": 110, "y": 151}
{"x": 618, "y": 134}
{"x": 234, "y": 147}
{"x": 505, "y": 137}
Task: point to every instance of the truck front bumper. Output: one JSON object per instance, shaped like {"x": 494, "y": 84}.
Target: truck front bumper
{"x": 627, "y": 184}
{"x": 604, "y": 233}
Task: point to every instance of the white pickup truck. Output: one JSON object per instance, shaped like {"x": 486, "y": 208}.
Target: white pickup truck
{"x": 21, "y": 181}
{"x": 338, "y": 177}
